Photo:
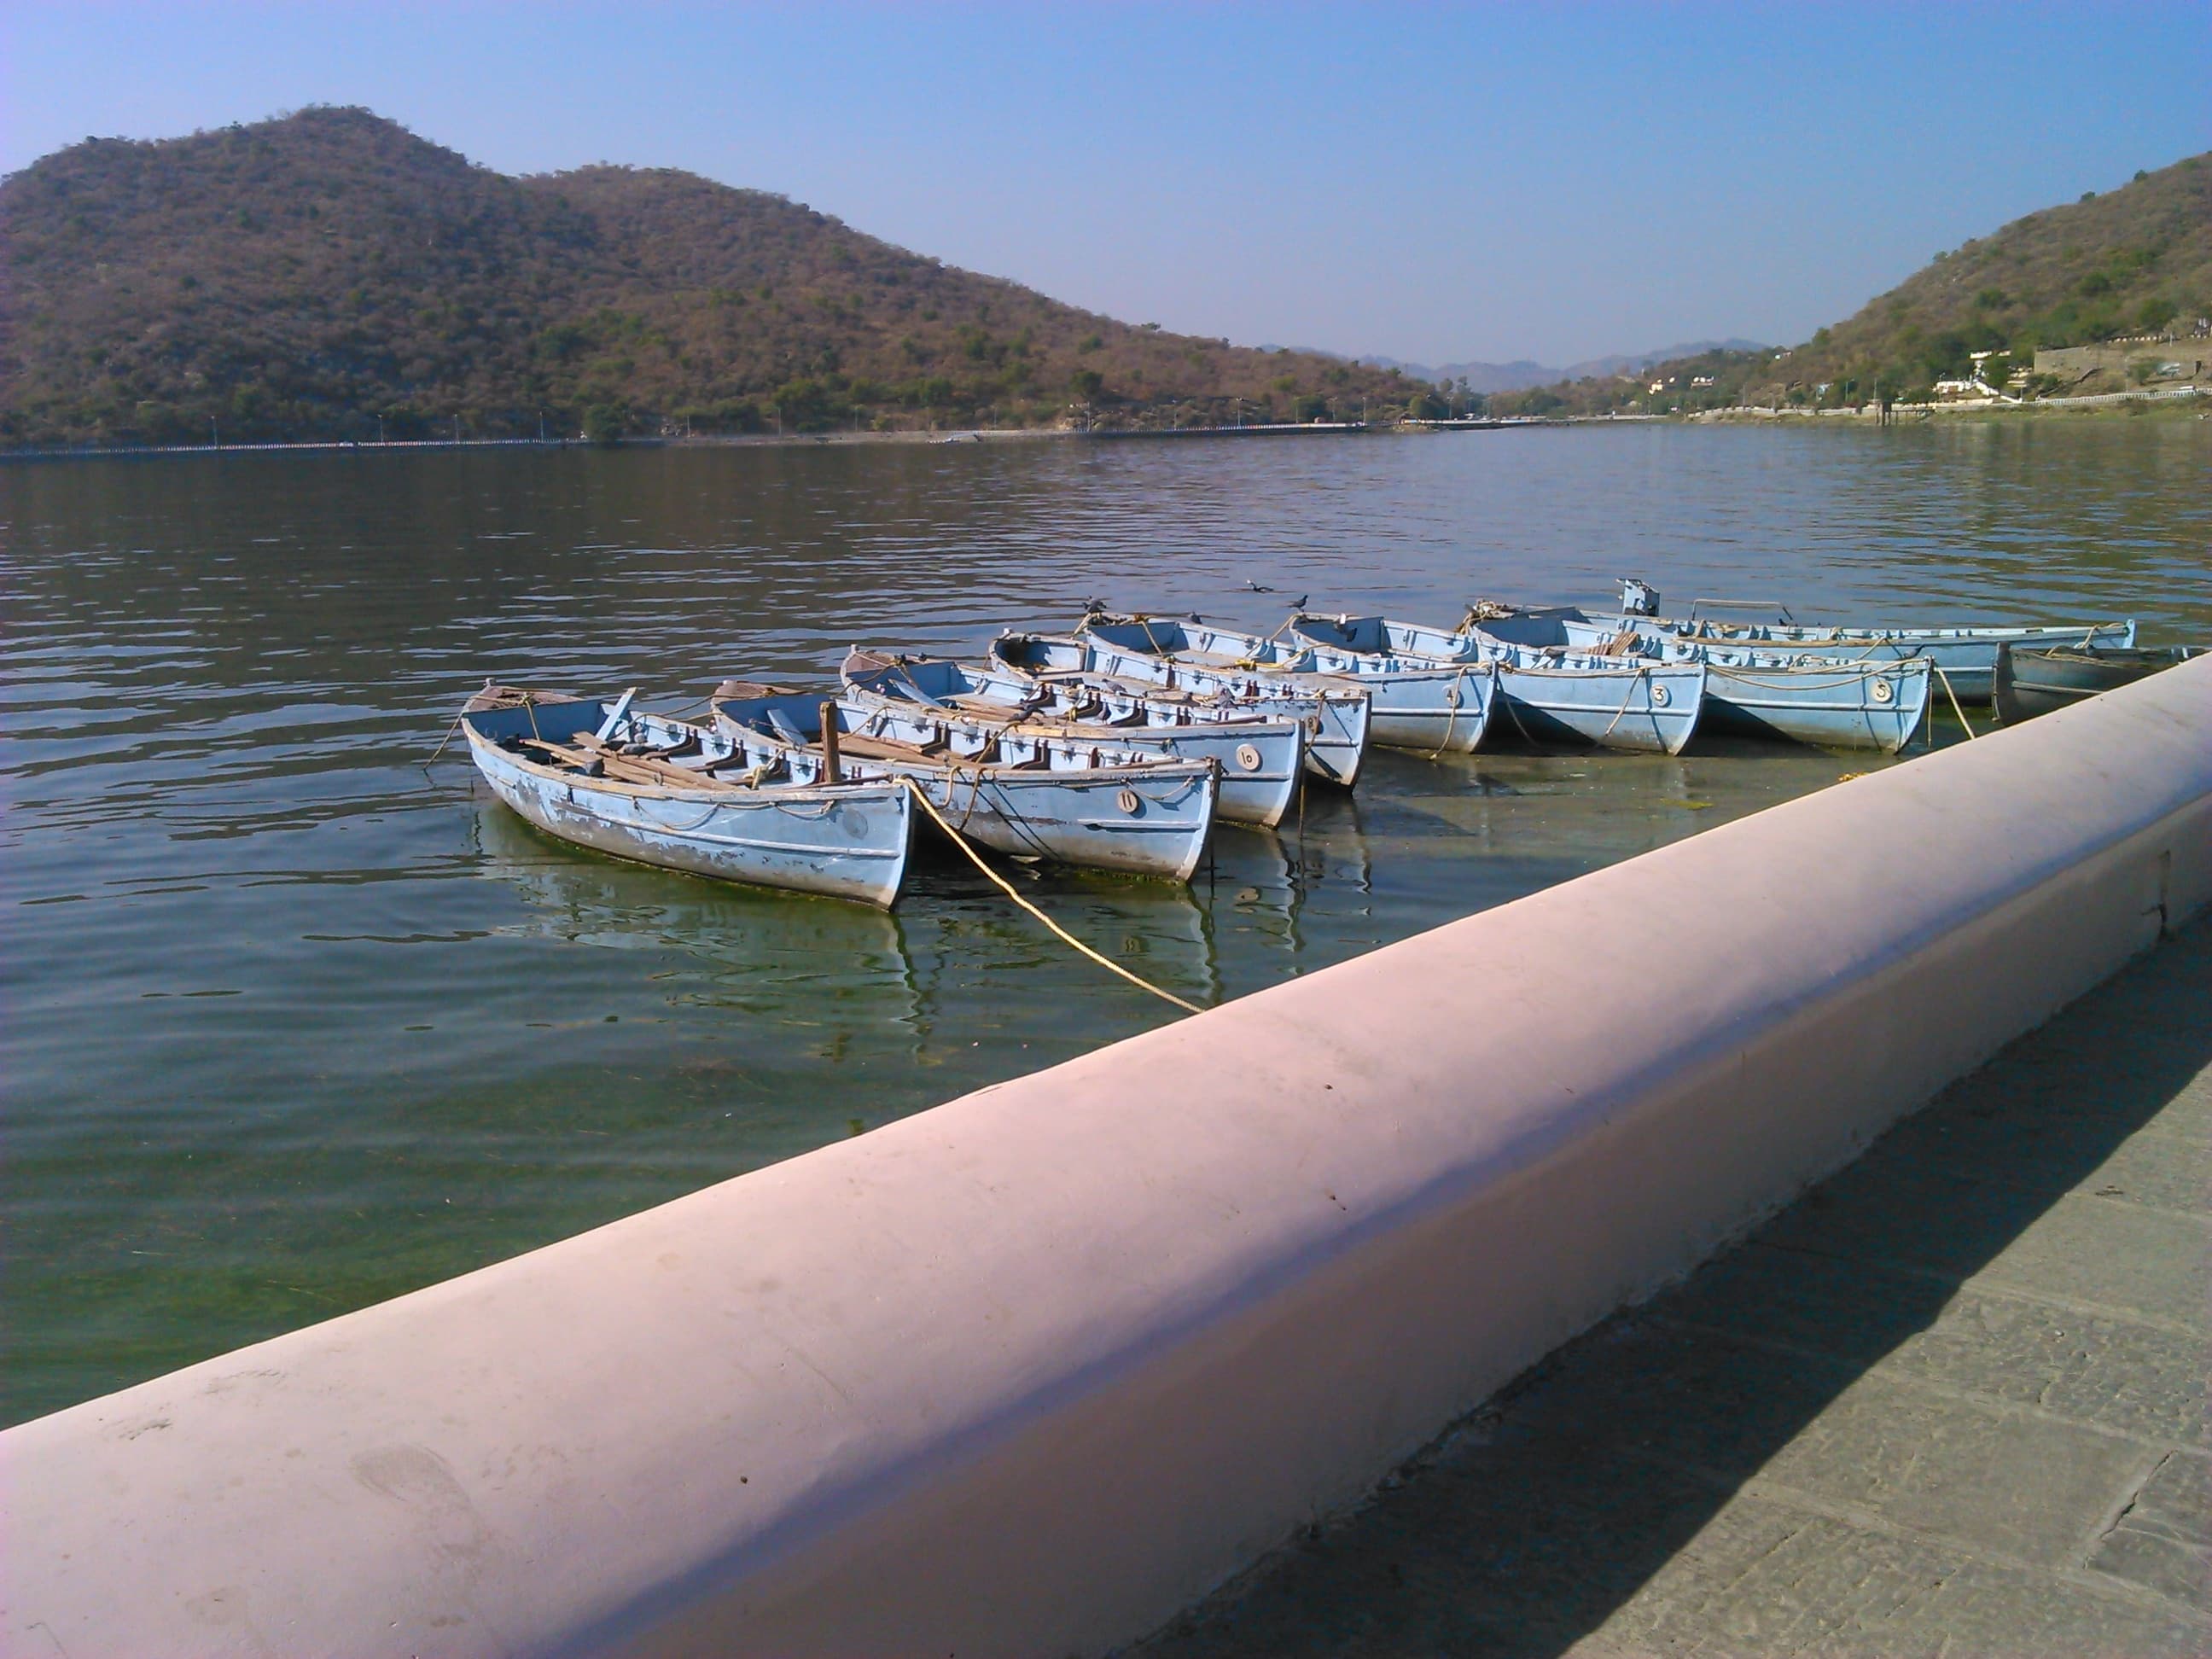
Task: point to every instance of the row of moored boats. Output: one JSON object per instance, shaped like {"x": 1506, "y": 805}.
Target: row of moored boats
{"x": 1118, "y": 746}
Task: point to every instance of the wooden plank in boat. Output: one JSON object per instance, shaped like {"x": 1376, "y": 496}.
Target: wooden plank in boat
{"x": 629, "y": 769}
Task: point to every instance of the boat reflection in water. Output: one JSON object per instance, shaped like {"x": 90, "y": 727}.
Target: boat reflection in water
{"x": 772, "y": 980}
{"x": 955, "y": 968}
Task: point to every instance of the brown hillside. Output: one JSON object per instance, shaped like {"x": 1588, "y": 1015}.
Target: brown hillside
{"x": 2136, "y": 259}
{"x": 304, "y": 276}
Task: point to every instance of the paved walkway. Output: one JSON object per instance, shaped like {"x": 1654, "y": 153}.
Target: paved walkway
{"x": 1954, "y": 1402}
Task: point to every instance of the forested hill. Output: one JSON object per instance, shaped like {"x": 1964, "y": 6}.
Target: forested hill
{"x": 306, "y": 276}
{"x": 2135, "y": 259}
{"x": 2125, "y": 261}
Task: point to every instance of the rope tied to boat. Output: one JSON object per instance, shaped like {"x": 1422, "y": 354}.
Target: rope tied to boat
{"x": 1951, "y": 693}
{"x": 1007, "y": 888}
{"x": 1626, "y": 698}
{"x": 1641, "y": 676}
{"x": 1452, "y": 700}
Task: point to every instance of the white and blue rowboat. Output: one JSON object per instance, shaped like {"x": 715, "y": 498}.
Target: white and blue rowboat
{"x": 1262, "y": 762}
{"x": 1027, "y": 793}
{"x": 1435, "y": 707}
{"x": 1336, "y": 717}
{"x": 603, "y": 775}
{"x": 1547, "y": 697}
{"x": 1834, "y": 704}
{"x": 1966, "y": 657}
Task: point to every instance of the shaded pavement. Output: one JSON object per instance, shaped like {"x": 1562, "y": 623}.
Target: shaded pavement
{"x": 1953, "y": 1401}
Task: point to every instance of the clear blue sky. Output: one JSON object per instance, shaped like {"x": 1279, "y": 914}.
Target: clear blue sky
{"x": 1433, "y": 182}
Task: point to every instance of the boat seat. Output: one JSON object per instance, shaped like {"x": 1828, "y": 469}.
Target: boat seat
{"x": 880, "y": 749}
{"x": 984, "y": 708}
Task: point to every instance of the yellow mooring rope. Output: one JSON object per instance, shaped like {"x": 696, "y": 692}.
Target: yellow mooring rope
{"x": 1006, "y": 887}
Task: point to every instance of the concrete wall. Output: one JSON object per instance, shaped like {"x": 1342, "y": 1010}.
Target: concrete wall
{"x": 2192, "y": 354}
{"x": 1025, "y": 1373}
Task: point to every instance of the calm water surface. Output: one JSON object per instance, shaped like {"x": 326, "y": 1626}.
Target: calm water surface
{"x": 295, "y": 1020}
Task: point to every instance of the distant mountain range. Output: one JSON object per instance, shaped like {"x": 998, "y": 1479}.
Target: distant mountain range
{"x": 1521, "y": 374}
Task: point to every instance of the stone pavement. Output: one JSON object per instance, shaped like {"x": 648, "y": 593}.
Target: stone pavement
{"x": 1952, "y": 1403}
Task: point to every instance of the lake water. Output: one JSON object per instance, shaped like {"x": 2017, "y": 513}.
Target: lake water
{"x": 295, "y": 1020}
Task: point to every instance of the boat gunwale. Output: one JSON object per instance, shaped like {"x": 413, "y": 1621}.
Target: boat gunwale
{"x": 961, "y": 767}
{"x": 720, "y": 792}
{"x": 1059, "y": 727}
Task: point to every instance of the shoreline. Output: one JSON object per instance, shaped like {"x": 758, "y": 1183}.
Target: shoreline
{"x": 2194, "y": 401}
{"x": 695, "y": 441}
{"x": 957, "y": 436}
{"x": 2186, "y": 402}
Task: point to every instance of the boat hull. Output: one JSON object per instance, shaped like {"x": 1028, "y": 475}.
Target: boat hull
{"x": 1651, "y": 710}
{"x": 1138, "y": 824}
{"x": 1430, "y": 706}
{"x": 1966, "y": 658}
{"x": 1634, "y": 706}
{"x": 2032, "y": 682}
{"x": 1337, "y": 719}
{"x": 1144, "y": 819}
{"x": 1840, "y": 705}
{"x": 1261, "y": 762}
{"x": 1446, "y": 711}
{"x": 848, "y": 840}
{"x": 1831, "y": 703}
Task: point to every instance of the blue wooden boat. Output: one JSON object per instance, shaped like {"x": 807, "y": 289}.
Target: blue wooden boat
{"x": 1336, "y": 717}
{"x": 2031, "y": 681}
{"x": 1835, "y": 704}
{"x": 1027, "y": 793}
{"x": 1548, "y": 697}
{"x": 1262, "y": 762}
{"x": 1966, "y": 657}
{"x": 604, "y": 774}
{"x": 1431, "y": 707}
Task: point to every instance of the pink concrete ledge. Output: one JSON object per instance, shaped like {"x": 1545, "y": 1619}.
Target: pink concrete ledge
{"x": 1026, "y": 1373}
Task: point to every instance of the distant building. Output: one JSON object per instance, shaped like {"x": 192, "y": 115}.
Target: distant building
{"x": 1701, "y": 379}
